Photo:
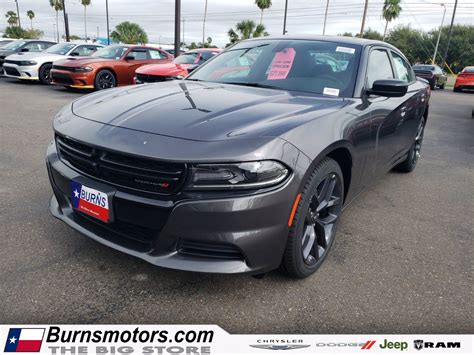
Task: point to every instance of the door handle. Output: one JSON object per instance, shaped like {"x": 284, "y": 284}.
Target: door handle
{"x": 403, "y": 111}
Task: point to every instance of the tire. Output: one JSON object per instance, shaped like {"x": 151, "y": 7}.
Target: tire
{"x": 44, "y": 74}
{"x": 105, "y": 79}
{"x": 409, "y": 164}
{"x": 457, "y": 90}
{"x": 315, "y": 221}
{"x": 442, "y": 86}
{"x": 433, "y": 85}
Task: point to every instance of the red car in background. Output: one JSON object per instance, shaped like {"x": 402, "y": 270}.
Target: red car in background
{"x": 177, "y": 69}
{"x": 465, "y": 79}
{"x": 107, "y": 68}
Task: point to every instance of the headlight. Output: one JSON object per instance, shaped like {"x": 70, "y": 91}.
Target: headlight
{"x": 250, "y": 175}
{"x": 28, "y": 62}
{"x": 83, "y": 69}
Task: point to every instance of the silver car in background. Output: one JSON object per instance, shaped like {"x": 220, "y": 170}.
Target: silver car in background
{"x": 37, "y": 66}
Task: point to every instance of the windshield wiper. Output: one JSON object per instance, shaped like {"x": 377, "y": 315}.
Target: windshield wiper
{"x": 256, "y": 85}
{"x": 191, "y": 79}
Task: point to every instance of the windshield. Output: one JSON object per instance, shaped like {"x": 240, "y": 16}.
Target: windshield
{"x": 14, "y": 45}
{"x": 61, "y": 48}
{"x": 187, "y": 58}
{"x": 111, "y": 52}
{"x": 423, "y": 67}
{"x": 317, "y": 67}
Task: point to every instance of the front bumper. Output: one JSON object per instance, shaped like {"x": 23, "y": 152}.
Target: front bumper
{"x": 155, "y": 229}
{"x": 73, "y": 80}
{"x": 21, "y": 72}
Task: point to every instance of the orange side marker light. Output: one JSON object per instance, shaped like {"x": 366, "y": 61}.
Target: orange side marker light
{"x": 293, "y": 210}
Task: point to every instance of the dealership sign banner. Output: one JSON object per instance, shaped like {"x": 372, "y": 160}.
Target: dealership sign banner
{"x": 211, "y": 339}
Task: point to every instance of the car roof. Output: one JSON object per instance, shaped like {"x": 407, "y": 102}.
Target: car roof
{"x": 205, "y": 50}
{"x": 337, "y": 39}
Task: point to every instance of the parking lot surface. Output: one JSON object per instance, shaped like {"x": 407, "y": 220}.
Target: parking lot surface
{"x": 401, "y": 263}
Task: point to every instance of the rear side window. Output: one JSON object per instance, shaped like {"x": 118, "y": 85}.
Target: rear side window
{"x": 138, "y": 54}
{"x": 85, "y": 50}
{"x": 155, "y": 54}
{"x": 379, "y": 67}
{"x": 402, "y": 68}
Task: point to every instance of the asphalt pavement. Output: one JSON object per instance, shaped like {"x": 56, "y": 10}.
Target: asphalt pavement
{"x": 402, "y": 261}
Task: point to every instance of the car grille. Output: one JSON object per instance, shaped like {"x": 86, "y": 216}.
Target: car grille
{"x": 61, "y": 67}
{"x": 61, "y": 78}
{"x": 153, "y": 78}
{"x": 123, "y": 170}
{"x": 11, "y": 71}
{"x": 209, "y": 250}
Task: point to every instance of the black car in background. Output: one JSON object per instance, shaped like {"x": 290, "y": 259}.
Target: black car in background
{"x": 247, "y": 163}
{"x": 433, "y": 73}
{"x": 22, "y": 45}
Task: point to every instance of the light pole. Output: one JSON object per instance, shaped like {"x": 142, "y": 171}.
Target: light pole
{"x": 54, "y": 32}
{"x": 439, "y": 35}
{"x": 182, "y": 19}
{"x": 107, "y": 15}
{"x": 325, "y": 17}
{"x": 284, "y": 19}
{"x": 177, "y": 27}
{"x": 18, "y": 13}
{"x": 66, "y": 21}
{"x": 445, "y": 57}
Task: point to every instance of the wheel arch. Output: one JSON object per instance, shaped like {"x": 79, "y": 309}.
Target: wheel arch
{"x": 342, "y": 153}
{"x": 110, "y": 69}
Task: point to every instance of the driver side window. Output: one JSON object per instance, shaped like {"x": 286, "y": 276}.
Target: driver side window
{"x": 379, "y": 67}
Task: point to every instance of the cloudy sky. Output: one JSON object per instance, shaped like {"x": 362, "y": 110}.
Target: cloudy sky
{"x": 304, "y": 16}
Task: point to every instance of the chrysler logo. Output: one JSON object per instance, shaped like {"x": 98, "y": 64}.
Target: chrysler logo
{"x": 280, "y": 347}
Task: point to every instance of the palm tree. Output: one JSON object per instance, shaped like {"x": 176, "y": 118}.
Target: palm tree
{"x": 85, "y": 3}
{"x": 391, "y": 10}
{"x": 246, "y": 29}
{"x": 204, "y": 22}
{"x": 57, "y": 5}
{"x": 31, "y": 16}
{"x": 263, "y": 5}
{"x": 129, "y": 32}
{"x": 12, "y": 18}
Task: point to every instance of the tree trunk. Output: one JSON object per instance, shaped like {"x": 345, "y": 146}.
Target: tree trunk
{"x": 261, "y": 17}
{"x": 85, "y": 23}
{"x": 385, "y": 31}
{"x": 31, "y": 22}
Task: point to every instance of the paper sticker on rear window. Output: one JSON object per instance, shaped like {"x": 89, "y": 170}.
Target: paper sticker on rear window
{"x": 281, "y": 64}
{"x": 331, "y": 92}
{"x": 345, "y": 50}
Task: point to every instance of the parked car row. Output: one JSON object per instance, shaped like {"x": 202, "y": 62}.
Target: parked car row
{"x": 93, "y": 66}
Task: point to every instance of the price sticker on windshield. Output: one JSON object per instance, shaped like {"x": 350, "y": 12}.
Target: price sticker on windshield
{"x": 345, "y": 50}
{"x": 281, "y": 64}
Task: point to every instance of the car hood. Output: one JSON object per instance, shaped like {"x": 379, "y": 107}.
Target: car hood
{"x": 6, "y": 52}
{"x": 36, "y": 56}
{"x": 79, "y": 62}
{"x": 166, "y": 69}
{"x": 204, "y": 111}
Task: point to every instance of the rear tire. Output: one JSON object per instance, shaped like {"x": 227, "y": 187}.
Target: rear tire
{"x": 457, "y": 90}
{"x": 409, "y": 164}
{"x": 315, "y": 222}
{"x": 105, "y": 79}
{"x": 442, "y": 86}
{"x": 44, "y": 74}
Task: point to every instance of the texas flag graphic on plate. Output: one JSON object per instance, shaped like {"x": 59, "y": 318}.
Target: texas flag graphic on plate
{"x": 22, "y": 340}
{"x": 90, "y": 201}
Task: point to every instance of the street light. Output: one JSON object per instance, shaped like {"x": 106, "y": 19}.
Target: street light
{"x": 18, "y": 13}
{"x": 439, "y": 35}
{"x": 284, "y": 19}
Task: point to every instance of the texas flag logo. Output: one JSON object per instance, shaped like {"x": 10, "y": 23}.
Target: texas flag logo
{"x": 21, "y": 340}
{"x": 90, "y": 201}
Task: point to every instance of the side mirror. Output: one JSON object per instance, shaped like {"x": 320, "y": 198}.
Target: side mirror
{"x": 192, "y": 68}
{"x": 24, "y": 50}
{"x": 389, "y": 88}
{"x": 129, "y": 57}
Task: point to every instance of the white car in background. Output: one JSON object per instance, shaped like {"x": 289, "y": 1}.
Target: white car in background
{"x": 37, "y": 66}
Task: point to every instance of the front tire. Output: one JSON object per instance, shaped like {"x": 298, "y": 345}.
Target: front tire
{"x": 44, "y": 74}
{"x": 315, "y": 222}
{"x": 105, "y": 79}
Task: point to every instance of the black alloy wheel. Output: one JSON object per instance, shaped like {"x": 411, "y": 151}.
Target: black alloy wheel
{"x": 409, "y": 164}
{"x": 105, "y": 79}
{"x": 45, "y": 74}
{"x": 314, "y": 226}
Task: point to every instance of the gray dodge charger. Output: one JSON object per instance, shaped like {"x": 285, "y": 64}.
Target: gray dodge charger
{"x": 246, "y": 165}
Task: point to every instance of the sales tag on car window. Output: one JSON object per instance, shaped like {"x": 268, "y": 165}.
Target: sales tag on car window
{"x": 281, "y": 64}
{"x": 331, "y": 92}
{"x": 345, "y": 50}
